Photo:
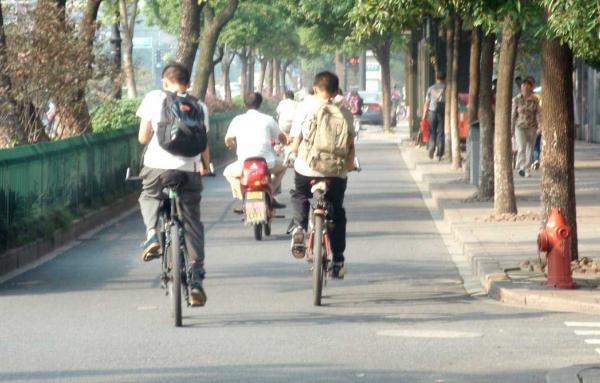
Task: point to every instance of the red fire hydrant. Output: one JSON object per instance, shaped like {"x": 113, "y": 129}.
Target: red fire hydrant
{"x": 555, "y": 240}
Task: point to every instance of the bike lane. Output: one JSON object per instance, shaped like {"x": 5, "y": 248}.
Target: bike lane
{"x": 96, "y": 313}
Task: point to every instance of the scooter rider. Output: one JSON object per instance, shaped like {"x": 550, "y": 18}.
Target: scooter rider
{"x": 252, "y": 135}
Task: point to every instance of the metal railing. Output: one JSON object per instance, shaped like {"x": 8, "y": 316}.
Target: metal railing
{"x": 52, "y": 181}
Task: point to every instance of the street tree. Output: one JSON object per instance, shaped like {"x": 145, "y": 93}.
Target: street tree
{"x": 572, "y": 28}
{"x": 128, "y": 10}
{"x": 216, "y": 16}
{"x": 375, "y": 23}
{"x": 8, "y": 106}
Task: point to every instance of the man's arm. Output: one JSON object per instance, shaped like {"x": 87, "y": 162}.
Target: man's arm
{"x": 351, "y": 155}
{"x": 145, "y": 133}
{"x": 295, "y": 145}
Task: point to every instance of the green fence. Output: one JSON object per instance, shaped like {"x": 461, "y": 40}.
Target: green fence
{"x": 43, "y": 186}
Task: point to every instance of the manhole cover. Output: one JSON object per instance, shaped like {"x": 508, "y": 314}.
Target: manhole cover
{"x": 432, "y": 334}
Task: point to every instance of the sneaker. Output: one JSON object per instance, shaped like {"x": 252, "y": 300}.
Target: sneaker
{"x": 298, "y": 246}
{"x": 338, "y": 270}
{"x": 522, "y": 173}
{"x": 277, "y": 205}
{"x": 197, "y": 297}
{"x": 151, "y": 249}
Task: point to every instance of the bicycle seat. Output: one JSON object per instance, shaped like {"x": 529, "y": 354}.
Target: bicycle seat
{"x": 173, "y": 178}
{"x": 318, "y": 186}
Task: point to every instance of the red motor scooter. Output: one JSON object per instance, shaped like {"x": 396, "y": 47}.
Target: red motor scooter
{"x": 257, "y": 192}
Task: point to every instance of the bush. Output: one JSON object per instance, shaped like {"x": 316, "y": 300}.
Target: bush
{"x": 115, "y": 114}
{"x": 216, "y": 105}
{"x": 269, "y": 104}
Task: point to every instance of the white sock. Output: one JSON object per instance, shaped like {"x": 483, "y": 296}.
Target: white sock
{"x": 150, "y": 233}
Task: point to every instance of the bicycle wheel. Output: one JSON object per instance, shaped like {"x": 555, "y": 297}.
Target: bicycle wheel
{"x": 317, "y": 254}
{"x": 175, "y": 287}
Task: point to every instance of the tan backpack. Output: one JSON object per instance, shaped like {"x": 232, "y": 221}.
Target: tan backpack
{"x": 327, "y": 144}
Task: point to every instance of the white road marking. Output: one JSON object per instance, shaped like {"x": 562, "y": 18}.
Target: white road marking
{"x": 587, "y": 332}
{"x": 582, "y": 324}
{"x": 592, "y": 341}
{"x": 436, "y": 334}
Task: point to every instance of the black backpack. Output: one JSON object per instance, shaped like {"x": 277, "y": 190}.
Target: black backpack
{"x": 181, "y": 130}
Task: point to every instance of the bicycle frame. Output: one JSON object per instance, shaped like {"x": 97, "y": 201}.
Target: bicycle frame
{"x": 169, "y": 216}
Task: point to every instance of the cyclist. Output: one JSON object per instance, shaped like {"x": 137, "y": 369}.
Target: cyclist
{"x": 158, "y": 164}
{"x": 252, "y": 135}
{"x": 326, "y": 85}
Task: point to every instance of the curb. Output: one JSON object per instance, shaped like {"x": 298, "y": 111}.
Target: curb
{"x": 486, "y": 269}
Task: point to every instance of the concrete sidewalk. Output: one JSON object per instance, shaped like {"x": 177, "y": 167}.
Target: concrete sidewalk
{"x": 494, "y": 249}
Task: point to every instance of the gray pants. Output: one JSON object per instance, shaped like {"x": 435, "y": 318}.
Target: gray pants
{"x": 189, "y": 196}
{"x": 525, "y": 141}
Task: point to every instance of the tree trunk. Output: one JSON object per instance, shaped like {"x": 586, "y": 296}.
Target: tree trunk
{"x": 456, "y": 155}
{"x": 558, "y": 127}
{"x": 127, "y": 26}
{"x": 225, "y": 68}
{"x": 212, "y": 86}
{"x": 75, "y": 116}
{"x": 474, "y": 60}
{"x": 339, "y": 65}
{"x": 251, "y": 61}
{"x": 8, "y": 108}
{"x": 486, "y": 117}
{"x": 189, "y": 32}
{"x": 263, "y": 71}
{"x": 504, "y": 192}
{"x": 413, "y": 57}
{"x": 448, "y": 94}
{"x": 284, "y": 74}
{"x": 244, "y": 73}
{"x": 269, "y": 80}
{"x": 213, "y": 25}
{"x": 116, "y": 57}
{"x": 276, "y": 77}
{"x": 382, "y": 54}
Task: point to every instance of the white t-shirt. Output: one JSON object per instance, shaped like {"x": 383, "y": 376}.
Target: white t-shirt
{"x": 155, "y": 156}
{"x": 304, "y": 114}
{"x": 286, "y": 111}
{"x": 253, "y": 132}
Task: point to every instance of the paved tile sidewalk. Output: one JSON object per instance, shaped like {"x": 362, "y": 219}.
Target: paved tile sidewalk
{"x": 493, "y": 247}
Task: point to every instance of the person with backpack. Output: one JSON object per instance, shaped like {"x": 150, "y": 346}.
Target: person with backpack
{"x": 252, "y": 134}
{"x": 323, "y": 136}
{"x": 174, "y": 125}
{"x": 433, "y": 111}
{"x": 355, "y": 103}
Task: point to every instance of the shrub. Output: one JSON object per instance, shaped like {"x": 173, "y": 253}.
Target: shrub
{"x": 115, "y": 114}
{"x": 216, "y": 105}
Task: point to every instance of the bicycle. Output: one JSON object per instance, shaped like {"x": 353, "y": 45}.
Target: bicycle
{"x": 175, "y": 271}
{"x": 319, "y": 245}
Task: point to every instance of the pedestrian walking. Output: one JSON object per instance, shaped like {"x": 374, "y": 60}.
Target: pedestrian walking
{"x": 433, "y": 111}
{"x": 525, "y": 124}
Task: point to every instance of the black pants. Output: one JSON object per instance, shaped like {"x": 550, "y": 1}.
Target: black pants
{"x": 436, "y": 132}
{"x": 335, "y": 198}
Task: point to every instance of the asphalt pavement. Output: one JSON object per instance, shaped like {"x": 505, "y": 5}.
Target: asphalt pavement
{"x": 97, "y": 314}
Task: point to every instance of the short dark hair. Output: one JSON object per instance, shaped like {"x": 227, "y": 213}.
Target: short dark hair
{"x": 176, "y": 73}
{"x": 253, "y": 100}
{"x": 289, "y": 94}
{"x": 440, "y": 76}
{"x": 327, "y": 81}
{"x": 530, "y": 80}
